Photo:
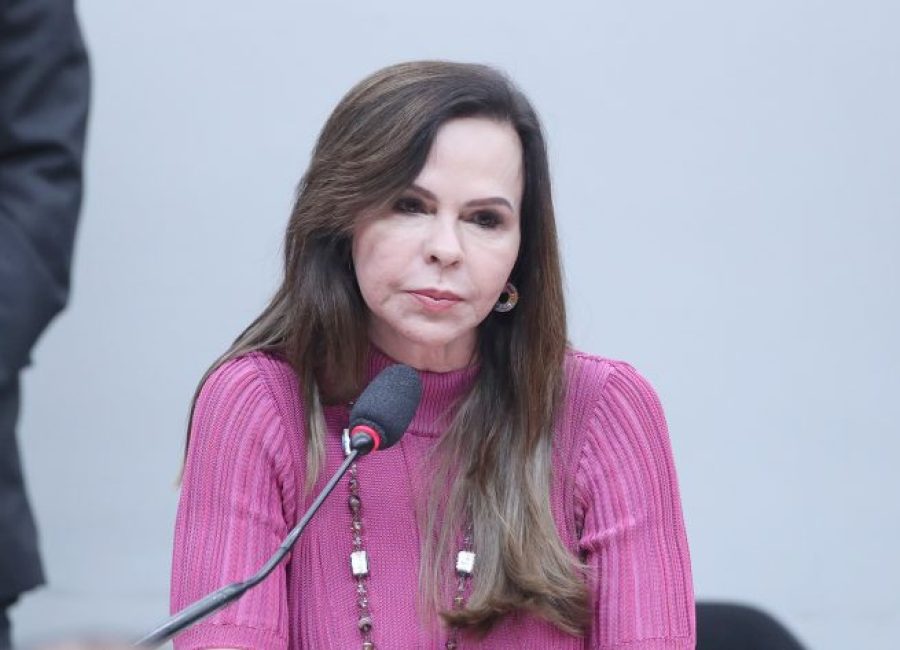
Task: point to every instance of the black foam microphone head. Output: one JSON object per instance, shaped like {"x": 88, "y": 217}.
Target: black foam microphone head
{"x": 388, "y": 404}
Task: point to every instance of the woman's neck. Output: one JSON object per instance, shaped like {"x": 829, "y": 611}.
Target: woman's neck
{"x": 454, "y": 355}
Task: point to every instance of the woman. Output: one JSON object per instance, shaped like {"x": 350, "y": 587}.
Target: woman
{"x": 532, "y": 502}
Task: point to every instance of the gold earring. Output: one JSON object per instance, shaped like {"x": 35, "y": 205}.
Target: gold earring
{"x": 508, "y": 298}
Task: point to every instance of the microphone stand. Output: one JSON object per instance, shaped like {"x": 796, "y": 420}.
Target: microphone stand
{"x": 218, "y": 599}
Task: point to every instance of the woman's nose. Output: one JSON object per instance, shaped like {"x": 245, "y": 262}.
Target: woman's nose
{"x": 442, "y": 244}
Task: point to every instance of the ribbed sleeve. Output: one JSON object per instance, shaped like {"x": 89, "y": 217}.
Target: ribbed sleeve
{"x": 230, "y": 515}
{"x": 633, "y": 535}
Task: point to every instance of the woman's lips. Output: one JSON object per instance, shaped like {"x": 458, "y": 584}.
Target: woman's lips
{"x": 433, "y": 300}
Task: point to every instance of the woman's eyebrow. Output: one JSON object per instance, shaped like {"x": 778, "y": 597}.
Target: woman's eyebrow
{"x": 494, "y": 200}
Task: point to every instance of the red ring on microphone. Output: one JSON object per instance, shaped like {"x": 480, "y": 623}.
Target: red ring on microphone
{"x": 373, "y": 434}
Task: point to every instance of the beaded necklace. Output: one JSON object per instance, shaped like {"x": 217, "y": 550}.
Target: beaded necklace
{"x": 359, "y": 561}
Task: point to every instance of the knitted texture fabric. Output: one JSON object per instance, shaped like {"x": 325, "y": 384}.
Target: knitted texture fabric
{"x": 614, "y": 499}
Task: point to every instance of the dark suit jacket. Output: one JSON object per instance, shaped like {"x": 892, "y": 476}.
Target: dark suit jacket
{"x": 44, "y": 90}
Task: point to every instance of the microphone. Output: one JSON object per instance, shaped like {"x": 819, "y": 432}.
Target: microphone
{"x": 378, "y": 420}
{"x": 384, "y": 410}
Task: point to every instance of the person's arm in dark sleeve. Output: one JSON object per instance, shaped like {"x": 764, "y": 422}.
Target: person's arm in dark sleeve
{"x": 44, "y": 95}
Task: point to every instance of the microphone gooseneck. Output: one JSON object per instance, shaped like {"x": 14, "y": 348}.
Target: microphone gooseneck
{"x": 378, "y": 420}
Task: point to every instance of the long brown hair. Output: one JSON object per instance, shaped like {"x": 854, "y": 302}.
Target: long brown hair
{"x": 496, "y": 454}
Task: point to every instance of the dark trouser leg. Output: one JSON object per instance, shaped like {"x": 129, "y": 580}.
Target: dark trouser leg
{"x": 20, "y": 563}
{"x": 5, "y": 639}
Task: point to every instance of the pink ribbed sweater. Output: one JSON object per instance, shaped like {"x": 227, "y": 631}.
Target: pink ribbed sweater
{"x": 614, "y": 498}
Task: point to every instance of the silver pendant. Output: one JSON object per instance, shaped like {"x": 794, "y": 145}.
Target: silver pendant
{"x": 359, "y": 563}
{"x": 465, "y": 562}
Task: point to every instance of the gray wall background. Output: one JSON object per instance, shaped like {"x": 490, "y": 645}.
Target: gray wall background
{"x": 726, "y": 177}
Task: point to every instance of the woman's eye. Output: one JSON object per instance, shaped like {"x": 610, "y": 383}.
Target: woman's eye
{"x": 486, "y": 219}
{"x": 409, "y": 205}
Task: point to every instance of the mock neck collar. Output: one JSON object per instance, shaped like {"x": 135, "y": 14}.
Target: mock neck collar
{"x": 441, "y": 392}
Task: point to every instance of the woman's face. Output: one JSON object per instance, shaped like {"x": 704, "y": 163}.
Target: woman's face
{"x": 432, "y": 267}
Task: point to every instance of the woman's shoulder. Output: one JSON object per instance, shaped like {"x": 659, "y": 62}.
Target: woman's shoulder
{"x": 256, "y": 369}
{"x": 262, "y": 363}
{"x": 255, "y": 387}
{"x": 585, "y": 370}
{"x": 247, "y": 411}
{"x": 624, "y": 447}
{"x": 613, "y": 396}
